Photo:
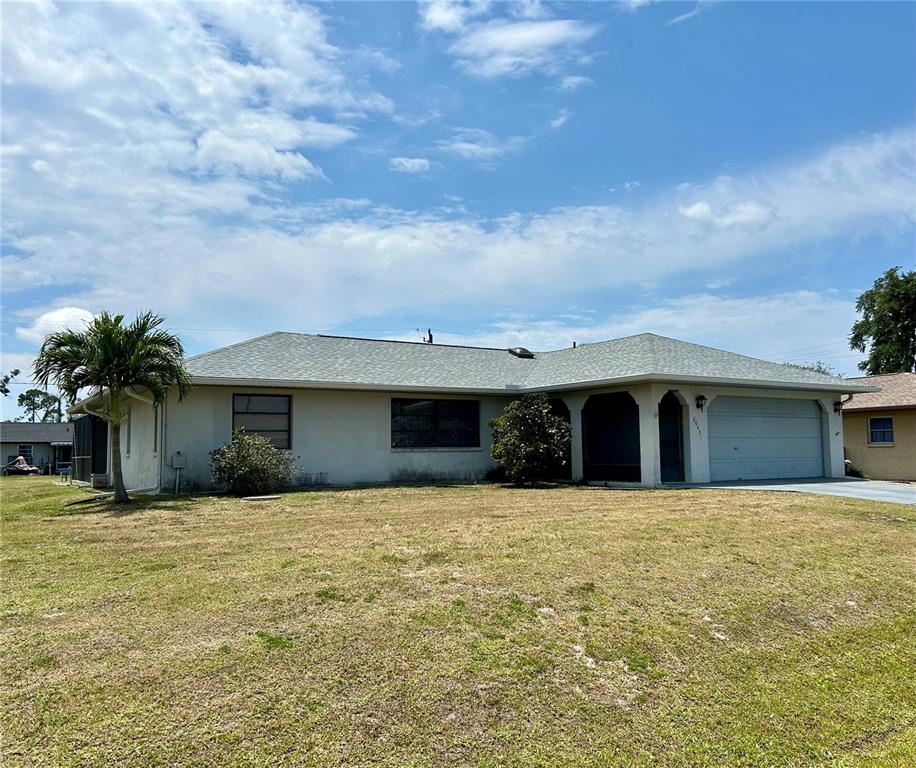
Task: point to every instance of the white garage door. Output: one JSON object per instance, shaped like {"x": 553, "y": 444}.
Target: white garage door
{"x": 756, "y": 438}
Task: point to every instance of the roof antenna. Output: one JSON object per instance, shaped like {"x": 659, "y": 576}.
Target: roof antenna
{"x": 429, "y": 336}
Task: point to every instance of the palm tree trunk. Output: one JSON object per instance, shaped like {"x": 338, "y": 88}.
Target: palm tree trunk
{"x": 120, "y": 492}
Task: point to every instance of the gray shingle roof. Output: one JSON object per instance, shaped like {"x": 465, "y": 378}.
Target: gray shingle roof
{"x": 27, "y": 432}
{"x": 371, "y": 363}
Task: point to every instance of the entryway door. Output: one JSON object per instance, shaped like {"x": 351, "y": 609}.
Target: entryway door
{"x": 671, "y": 438}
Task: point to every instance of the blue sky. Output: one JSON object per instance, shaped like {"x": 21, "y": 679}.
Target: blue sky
{"x": 528, "y": 173}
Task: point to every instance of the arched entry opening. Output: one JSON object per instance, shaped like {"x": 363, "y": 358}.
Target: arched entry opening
{"x": 561, "y": 470}
{"x": 671, "y": 438}
{"x": 610, "y": 438}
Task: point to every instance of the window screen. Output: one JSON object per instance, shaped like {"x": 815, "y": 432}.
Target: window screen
{"x": 435, "y": 423}
{"x": 881, "y": 430}
{"x": 265, "y": 415}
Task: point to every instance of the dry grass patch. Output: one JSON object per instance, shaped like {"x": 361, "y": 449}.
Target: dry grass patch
{"x": 471, "y": 625}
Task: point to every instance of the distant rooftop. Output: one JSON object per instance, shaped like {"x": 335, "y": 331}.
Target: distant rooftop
{"x": 295, "y": 359}
{"x": 28, "y": 432}
{"x": 898, "y": 390}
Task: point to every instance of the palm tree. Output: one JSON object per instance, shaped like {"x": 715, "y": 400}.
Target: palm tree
{"x": 109, "y": 357}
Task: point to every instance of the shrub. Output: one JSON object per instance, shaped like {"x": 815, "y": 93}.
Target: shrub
{"x": 852, "y": 470}
{"x": 528, "y": 440}
{"x": 249, "y": 465}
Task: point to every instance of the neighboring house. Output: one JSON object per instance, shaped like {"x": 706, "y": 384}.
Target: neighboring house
{"x": 880, "y": 427}
{"x": 645, "y": 410}
{"x": 43, "y": 445}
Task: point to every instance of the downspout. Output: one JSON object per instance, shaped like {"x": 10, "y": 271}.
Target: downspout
{"x": 143, "y": 399}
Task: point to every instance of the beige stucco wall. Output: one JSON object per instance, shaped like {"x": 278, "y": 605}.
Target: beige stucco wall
{"x": 338, "y": 438}
{"x": 882, "y": 462}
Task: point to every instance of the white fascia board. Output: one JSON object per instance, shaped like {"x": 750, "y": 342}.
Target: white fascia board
{"x": 839, "y": 386}
{"x": 356, "y": 387}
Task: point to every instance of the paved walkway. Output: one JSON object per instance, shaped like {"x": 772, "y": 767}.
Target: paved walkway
{"x": 873, "y": 490}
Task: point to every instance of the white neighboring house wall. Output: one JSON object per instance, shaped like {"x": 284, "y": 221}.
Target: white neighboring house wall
{"x": 338, "y": 437}
{"x": 42, "y": 453}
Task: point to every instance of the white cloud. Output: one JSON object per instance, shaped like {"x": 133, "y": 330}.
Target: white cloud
{"x": 796, "y": 322}
{"x": 477, "y": 144}
{"x": 628, "y": 186}
{"x": 560, "y": 120}
{"x": 450, "y": 15}
{"x": 340, "y": 259}
{"x": 529, "y": 9}
{"x": 409, "y": 164}
{"x": 701, "y": 6}
{"x": 747, "y": 213}
{"x": 500, "y": 48}
{"x": 73, "y": 318}
{"x": 162, "y": 93}
{"x": 574, "y": 82}
{"x": 216, "y": 151}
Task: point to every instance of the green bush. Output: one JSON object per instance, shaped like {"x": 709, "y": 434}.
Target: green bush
{"x": 529, "y": 440}
{"x": 249, "y": 465}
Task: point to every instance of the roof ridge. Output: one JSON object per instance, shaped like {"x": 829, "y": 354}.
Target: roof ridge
{"x": 879, "y": 375}
{"x": 399, "y": 341}
{"x": 747, "y": 357}
{"x": 236, "y": 344}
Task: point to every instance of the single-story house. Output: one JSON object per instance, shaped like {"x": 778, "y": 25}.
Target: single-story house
{"x": 880, "y": 427}
{"x": 644, "y": 410}
{"x": 43, "y": 445}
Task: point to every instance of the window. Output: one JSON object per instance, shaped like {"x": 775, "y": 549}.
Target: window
{"x": 155, "y": 429}
{"x": 881, "y": 431}
{"x": 435, "y": 423}
{"x": 25, "y": 451}
{"x": 265, "y": 415}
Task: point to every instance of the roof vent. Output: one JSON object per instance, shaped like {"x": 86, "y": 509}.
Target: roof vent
{"x": 521, "y": 352}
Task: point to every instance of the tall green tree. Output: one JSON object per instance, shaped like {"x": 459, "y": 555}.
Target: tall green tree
{"x": 110, "y": 359}
{"x": 40, "y": 405}
{"x": 887, "y": 327}
{"x": 5, "y": 380}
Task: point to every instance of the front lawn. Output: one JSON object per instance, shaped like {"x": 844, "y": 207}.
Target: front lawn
{"x": 470, "y": 625}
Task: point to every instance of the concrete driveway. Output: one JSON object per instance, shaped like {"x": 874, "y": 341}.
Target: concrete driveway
{"x": 873, "y": 490}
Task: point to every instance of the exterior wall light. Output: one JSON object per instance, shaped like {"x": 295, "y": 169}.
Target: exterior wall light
{"x": 837, "y": 406}
{"x": 701, "y": 401}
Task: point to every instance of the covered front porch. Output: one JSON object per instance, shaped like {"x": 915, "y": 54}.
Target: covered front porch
{"x": 656, "y": 433}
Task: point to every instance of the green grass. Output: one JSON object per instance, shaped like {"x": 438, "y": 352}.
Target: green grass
{"x": 473, "y": 625}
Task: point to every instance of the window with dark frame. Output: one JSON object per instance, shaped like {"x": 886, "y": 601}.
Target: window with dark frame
{"x": 881, "y": 430}
{"x": 417, "y": 423}
{"x": 265, "y": 415}
{"x": 26, "y": 452}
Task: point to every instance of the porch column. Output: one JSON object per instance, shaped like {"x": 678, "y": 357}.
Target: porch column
{"x": 647, "y": 397}
{"x": 696, "y": 434}
{"x": 576, "y": 403}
